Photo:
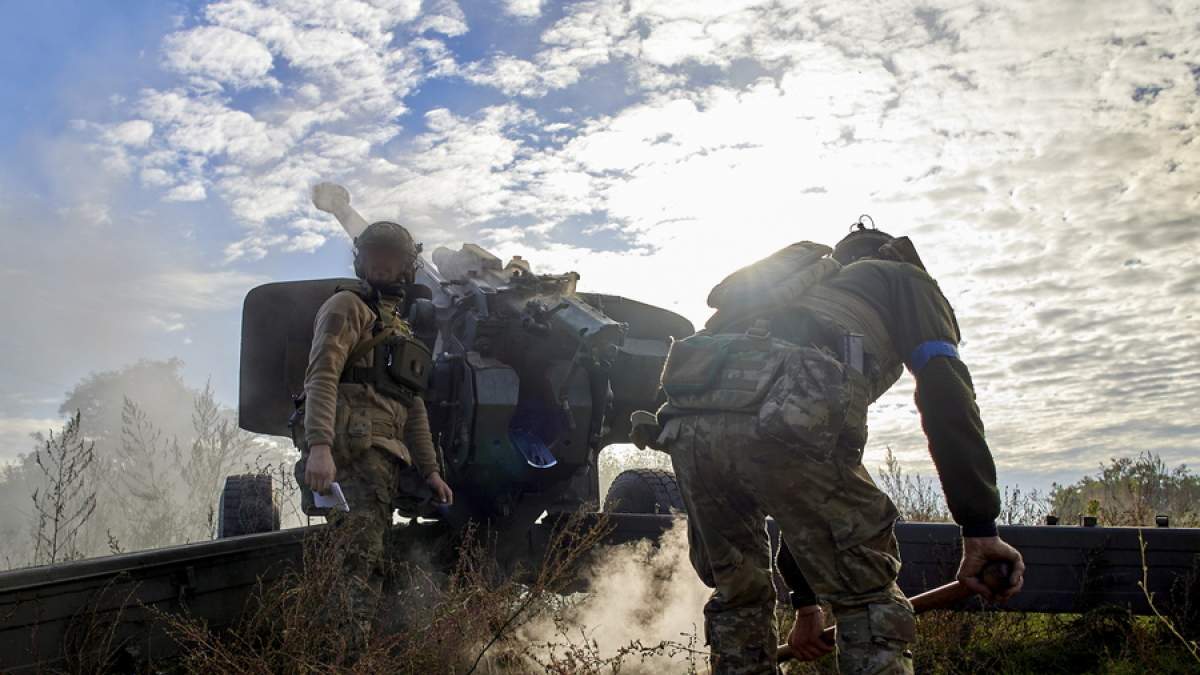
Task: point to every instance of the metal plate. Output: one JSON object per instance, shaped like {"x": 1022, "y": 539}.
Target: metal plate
{"x": 646, "y": 322}
{"x": 277, "y": 330}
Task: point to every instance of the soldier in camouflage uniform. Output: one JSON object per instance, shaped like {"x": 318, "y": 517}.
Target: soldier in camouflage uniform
{"x": 783, "y": 436}
{"x": 356, "y": 431}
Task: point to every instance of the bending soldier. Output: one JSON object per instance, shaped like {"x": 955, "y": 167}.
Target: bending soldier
{"x": 766, "y": 415}
{"x": 364, "y": 422}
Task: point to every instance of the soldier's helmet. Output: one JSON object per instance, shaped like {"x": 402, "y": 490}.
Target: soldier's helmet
{"x": 390, "y": 236}
{"x": 862, "y": 242}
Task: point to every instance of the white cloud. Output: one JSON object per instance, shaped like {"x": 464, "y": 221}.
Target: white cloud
{"x": 152, "y": 177}
{"x": 306, "y": 242}
{"x": 1030, "y": 149}
{"x": 195, "y": 290}
{"x": 590, "y": 34}
{"x": 509, "y": 74}
{"x": 523, "y": 9}
{"x": 219, "y": 54}
{"x": 189, "y": 192}
{"x": 445, "y": 17}
{"x": 16, "y": 434}
{"x": 133, "y": 132}
{"x": 172, "y": 322}
{"x": 351, "y": 84}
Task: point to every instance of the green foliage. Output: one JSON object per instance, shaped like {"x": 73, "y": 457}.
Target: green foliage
{"x": 917, "y": 498}
{"x": 1132, "y": 491}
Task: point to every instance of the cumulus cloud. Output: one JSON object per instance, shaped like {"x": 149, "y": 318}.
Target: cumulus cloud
{"x": 523, "y": 9}
{"x": 224, "y": 56}
{"x": 445, "y": 17}
{"x": 133, "y": 132}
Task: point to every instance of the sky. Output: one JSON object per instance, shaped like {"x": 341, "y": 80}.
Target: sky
{"x": 156, "y": 157}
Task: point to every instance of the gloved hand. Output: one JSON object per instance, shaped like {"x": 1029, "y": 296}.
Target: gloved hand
{"x": 645, "y": 430}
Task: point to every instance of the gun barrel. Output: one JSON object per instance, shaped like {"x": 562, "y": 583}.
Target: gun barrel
{"x": 335, "y": 199}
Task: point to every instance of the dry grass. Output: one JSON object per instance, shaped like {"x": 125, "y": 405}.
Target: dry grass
{"x": 459, "y": 619}
{"x": 1110, "y": 641}
{"x": 91, "y": 642}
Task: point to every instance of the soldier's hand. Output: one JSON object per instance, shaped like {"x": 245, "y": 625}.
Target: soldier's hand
{"x": 644, "y": 430}
{"x": 805, "y": 638}
{"x": 319, "y": 470}
{"x": 441, "y": 492}
{"x": 979, "y": 551}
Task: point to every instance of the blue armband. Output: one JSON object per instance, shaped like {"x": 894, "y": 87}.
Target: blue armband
{"x": 927, "y": 350}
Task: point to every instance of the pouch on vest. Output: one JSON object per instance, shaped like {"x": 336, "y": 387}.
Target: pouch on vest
{"x": 358, "y": 430}
{"x": 400, "y": 368}
{"x": 730, "y": 373}
{"x": 409, "y": 363}
{"x": 807, "y": 403}
{"x": 854, "y": 429}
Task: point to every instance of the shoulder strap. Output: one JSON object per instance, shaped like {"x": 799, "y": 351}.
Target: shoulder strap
{"x": 367, "y": 345}
{"x": 382, "y": 329}
{"x": 379, "y": 331}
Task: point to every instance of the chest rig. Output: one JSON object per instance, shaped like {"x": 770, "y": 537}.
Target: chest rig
{"x": 400, "y": 363}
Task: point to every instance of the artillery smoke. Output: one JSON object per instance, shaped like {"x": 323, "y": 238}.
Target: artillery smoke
{"x": 639, "y": 593}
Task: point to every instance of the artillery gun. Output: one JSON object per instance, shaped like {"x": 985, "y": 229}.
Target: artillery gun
{"x": 531, "y": 380}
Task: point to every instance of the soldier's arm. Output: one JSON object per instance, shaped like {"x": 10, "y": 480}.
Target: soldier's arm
{"x": 805, "y": 637}
{"x": 419, "y": 439}
{"x": 926, "y": 336}
{"x": 337, "y": 329}
{"x": 945, "y": 397}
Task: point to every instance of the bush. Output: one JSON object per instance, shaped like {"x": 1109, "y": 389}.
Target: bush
{"x": 1132, "y": 491}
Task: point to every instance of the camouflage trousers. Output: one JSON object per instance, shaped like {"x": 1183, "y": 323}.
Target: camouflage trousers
{"x": 369, "y": 483}
{"x": 836, "y": 522}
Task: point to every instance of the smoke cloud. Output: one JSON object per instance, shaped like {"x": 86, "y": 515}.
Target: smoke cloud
{"x": 642, "y": 594}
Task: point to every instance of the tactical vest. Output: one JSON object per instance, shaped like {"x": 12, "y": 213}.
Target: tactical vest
{"x": 400, "y": 364}
{"x": 794, "y": 283}
{"x": 814, "y": 393}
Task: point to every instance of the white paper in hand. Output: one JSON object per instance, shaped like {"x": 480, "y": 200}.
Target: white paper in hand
{"x": 334, "y": 500}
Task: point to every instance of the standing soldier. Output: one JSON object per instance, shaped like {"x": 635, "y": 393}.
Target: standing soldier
{"x": 364, "y": 418}
{"x": 766, "y": 415}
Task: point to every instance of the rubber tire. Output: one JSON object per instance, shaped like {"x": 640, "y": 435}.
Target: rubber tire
{"x": 247, "y": 506}
{"x": 653, "y": 491}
